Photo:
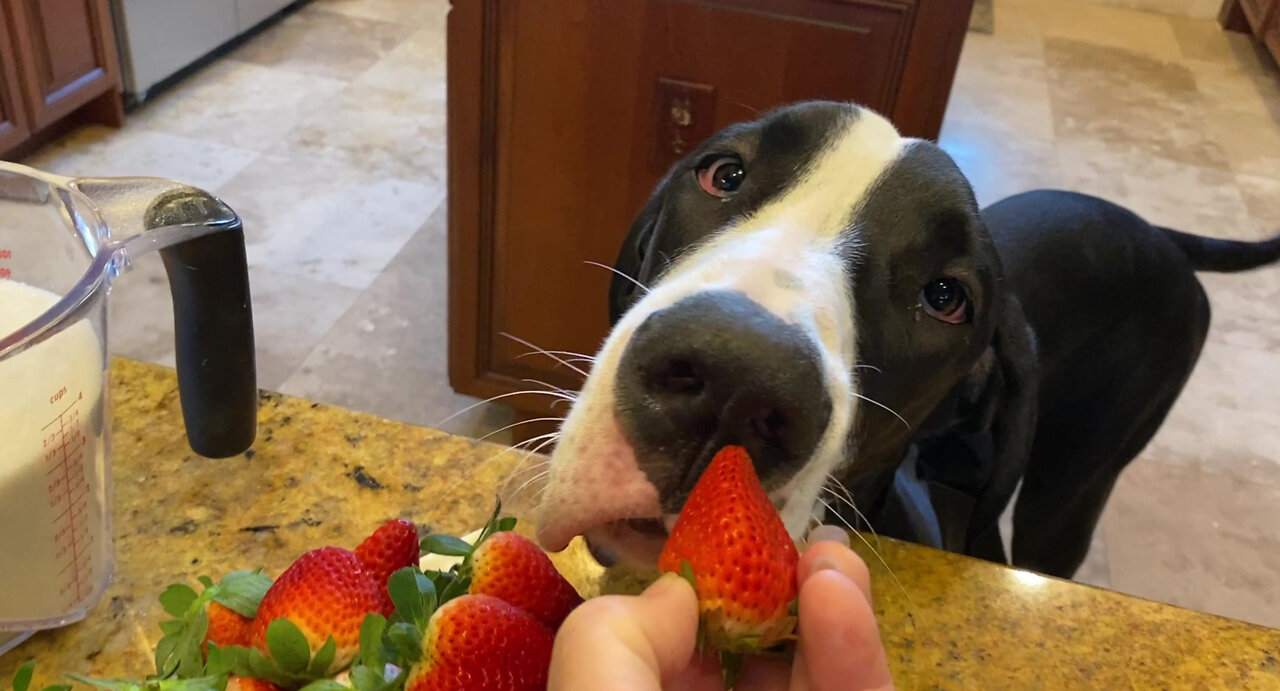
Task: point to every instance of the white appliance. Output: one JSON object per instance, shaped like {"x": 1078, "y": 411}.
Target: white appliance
{"x": 158, "y": 38}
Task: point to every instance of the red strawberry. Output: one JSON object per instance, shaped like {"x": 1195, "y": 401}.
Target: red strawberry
{"x": 227, "y": 627}
{"x": 325, "y": 593}
{"x": 480, "y": 643}
{"x": 390, "y": 548}
{"x": 512, "y": 568}
{"x": 250, "y": 684}
{"x": 743, "y": 562}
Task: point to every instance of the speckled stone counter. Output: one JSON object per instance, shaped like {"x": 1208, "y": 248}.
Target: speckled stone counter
{"x": 320, "y": 475}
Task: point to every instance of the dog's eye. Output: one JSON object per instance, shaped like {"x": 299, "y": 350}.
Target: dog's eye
{"x": 944, "y": 299}
{"x": 722, "y": 176}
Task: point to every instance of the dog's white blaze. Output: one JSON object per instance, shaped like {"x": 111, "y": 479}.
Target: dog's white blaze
{"x": 788, "y": 258}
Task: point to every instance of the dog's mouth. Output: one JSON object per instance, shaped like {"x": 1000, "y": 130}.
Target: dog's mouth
{"x": 632, "y": 541}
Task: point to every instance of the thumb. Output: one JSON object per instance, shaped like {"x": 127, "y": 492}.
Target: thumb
{"x": 627, "y": 643}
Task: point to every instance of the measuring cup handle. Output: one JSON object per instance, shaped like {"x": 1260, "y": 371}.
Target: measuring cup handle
{"x": 213, "y": 325}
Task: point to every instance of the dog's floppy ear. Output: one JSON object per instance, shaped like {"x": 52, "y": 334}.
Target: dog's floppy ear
{"x": 635, "y": 259}
{"x": 1002, "y": 394}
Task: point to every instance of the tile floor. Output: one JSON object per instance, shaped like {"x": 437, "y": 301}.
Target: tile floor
{"x": 327, "y": 134}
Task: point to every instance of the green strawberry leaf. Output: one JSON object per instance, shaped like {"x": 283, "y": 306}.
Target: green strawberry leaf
{"x": 288, "y": 646}
{"x": 22, "y": 679}
{"x": 405, "y": 643}
{"x": 413, "y": 594}
{"x": 242, "y": 591}
{"x": 731, "y": 668}
{"x": 176, "y": 599}
{"x": 323, "y": 658}
{"x": 371, "y": 641}
{"x": 225, "y": 660}
{"x": 57, "y": 687}
{"x": 365, "y": 678}
{"x": 446, "y": 545}
{"x": 506, "y": 524}
{"x": 686, "y": 572}
{"x": 205, "y": 581}
{"x": 457, "y": 586}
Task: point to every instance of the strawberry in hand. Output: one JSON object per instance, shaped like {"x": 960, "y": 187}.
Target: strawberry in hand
{"x": 733, "y": 547}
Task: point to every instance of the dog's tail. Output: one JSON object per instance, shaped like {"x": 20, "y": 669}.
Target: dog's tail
{"x": 1226, "y": 256}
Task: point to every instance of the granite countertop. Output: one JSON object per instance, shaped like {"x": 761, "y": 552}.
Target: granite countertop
{"x": 321, "y": 475}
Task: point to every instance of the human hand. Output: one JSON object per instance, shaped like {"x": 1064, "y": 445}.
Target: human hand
{"x": 646, "y": 643}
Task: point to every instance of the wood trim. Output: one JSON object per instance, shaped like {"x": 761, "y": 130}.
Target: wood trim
{"x": 47, "y": 105}
{"x": 931, "y": 68}
{"x": 16, "y": 128}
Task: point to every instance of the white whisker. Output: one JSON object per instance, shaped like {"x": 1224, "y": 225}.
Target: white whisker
{"x": 517, "y": 424}
{"x": 642, "y": 286}
{"x": 847, "y": 500}
{"x": 883, "y": 563}
{"x": 567, "y": 353}
{"x": 491, "y": 399}
{"x": 874, "y": 402}
{"x": 557, "y": 358}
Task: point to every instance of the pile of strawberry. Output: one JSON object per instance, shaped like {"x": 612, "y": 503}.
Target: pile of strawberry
{"x": 486, "y": 624}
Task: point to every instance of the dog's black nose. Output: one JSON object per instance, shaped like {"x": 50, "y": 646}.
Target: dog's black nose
{"x": 716, "y": 369}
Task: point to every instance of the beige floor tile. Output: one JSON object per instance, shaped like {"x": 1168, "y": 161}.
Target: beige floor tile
{"x": 1200, "y": 540}
{"x": 322, "y": 220}
{"x": 1251, "y": 142}
{"x": 1005, "y": 84}
{"x": 379, "y": 130}
{"x": 1189, "y": 198}
{"x": 104, "y": 152}
{"x": 1129, "y": 103}
{"x": 429, "y": 13}
{"x": 388, "y": 354}
{"x": 1227, "y": 420}
{"x": 329, "y": 44}
{"x": 416, "y": 66}
{"x": 290, "y": 316}
{"x": 1262, "y": 197}
{"x": 238, "y": 104}
{"x": 1139, "y": 32}
{"x": 996, "y": 161}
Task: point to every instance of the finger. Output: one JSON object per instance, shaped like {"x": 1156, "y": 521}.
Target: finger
{"x": 833, "y": 555}
{"x": 702, "y": 674}
{"x": 627, "y": 643}
{"x": 840, "y": 645}
{"x": 828, "y": 533}
{"x": 760, "y": 674}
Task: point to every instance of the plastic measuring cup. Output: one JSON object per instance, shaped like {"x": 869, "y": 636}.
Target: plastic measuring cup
{"x": 62, "y": 242}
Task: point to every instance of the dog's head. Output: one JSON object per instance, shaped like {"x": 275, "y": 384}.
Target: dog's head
{"x": 806, "y": 274}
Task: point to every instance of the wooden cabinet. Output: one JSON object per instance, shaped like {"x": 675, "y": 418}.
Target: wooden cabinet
{"x": 13, "y": 117}
{"x": 1258, "y": 17}
{"x": 59, "y": 59}
{"x": 563, "y": 116}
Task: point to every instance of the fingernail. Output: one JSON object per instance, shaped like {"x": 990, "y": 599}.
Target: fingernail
{"x": 664, "y": 585}
{"x": 825, "y": 564}
{"x": 829, "y": 533}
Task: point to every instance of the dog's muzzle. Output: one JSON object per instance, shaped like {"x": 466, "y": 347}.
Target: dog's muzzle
{"x": 712, "y": 370}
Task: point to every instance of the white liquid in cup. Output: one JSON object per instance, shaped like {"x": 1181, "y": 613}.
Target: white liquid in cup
{"x": 55, "y": 548}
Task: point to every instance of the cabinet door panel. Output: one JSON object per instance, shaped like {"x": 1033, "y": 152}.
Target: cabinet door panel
{"x": 563, "y": 116}
{"x": 13, "y": 118}
{"x": 69, "y": 54}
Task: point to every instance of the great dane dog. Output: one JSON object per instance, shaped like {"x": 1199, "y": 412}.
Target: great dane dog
{"x": 826, "y": 293}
